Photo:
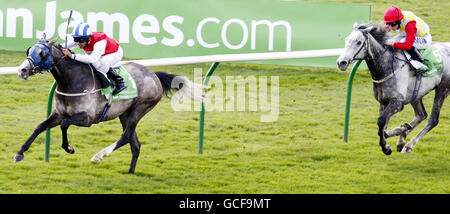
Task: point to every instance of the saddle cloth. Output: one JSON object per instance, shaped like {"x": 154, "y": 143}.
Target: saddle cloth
{"x": 128, "y": 93}
{"x": 433, "y": 60}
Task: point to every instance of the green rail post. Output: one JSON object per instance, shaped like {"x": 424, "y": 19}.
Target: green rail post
{"x": 202, "y": 112}
{"x": 49, "y": 111}
{"x": 349, "y": 97}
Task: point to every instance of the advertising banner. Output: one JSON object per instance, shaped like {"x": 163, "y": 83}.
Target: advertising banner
{"x": 173, "y": 28}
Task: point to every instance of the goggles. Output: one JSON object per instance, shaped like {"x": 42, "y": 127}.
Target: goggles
{"x": 392, "y": 24}
{"x": 81, "y": 39}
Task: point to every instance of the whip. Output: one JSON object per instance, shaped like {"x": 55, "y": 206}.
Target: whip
{"x": 67, "y": 28}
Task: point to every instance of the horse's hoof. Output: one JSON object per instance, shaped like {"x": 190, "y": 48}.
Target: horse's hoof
{"x": 97, "y": 158}
{"x": 407, "y": 126}
{"x": 387, "y": 150}
{"x": 400, "y": 147}
{"x": 18, "y": 158}
{"x": 406, "y": 150}
{"x": 70, "y": 150}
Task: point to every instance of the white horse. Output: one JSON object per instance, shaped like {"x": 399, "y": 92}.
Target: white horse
{"x": 394, "y": 82}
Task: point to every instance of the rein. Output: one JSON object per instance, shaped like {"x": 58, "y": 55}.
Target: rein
{"x": 372, "y": 58}
{"x": 85, "y": 92}
{"x": 388, "y": 76}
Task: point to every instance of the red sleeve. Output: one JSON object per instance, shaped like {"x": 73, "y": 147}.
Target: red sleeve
{"x": 411, "y": 32}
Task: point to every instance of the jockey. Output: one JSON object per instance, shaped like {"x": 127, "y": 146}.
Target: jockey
{"x": 103, "y": 52}
{"x": 414, "y": 34}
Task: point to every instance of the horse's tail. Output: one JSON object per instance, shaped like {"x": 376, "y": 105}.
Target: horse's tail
{"x": 183, "y": 86}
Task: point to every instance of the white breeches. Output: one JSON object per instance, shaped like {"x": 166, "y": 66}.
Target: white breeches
{"x": 420, "y": 42}
{"x": 108, "y": 61}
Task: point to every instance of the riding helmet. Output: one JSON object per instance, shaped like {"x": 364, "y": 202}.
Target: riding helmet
{"x": 82, "y": 32}
{"x": 392, "y": 14}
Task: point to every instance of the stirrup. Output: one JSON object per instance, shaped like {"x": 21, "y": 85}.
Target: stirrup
{"x": 419, "y": 67}
{"x": 119, "y": 87}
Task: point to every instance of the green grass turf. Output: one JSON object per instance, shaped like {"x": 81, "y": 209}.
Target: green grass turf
{"x": 301, "y": 152}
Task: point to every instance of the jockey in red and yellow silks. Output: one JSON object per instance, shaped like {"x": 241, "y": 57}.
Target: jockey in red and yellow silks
{"x": 103, "y": 52}
{"x": 414, "y": 34}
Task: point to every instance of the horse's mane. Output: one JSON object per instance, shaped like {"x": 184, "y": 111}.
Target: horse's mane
{"x": 68, "y": 60}
{"x": 378, "y": 32}
{"x": 381, "y": 36}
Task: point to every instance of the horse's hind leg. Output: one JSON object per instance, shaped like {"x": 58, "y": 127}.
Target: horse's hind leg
{"x": 108, "y": 150}
{"x": 51, "y": 122}
{"x": 386, "y": 113}
{"x": 432, "y": 122}
{"x": 135, "y": 150}
{"x": 129, "y": 122}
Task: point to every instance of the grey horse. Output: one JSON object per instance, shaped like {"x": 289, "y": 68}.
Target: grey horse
{"x": 76, "y": 105}
{"x": 394, "y": 82}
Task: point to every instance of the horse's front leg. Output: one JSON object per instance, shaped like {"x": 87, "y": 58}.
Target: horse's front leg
{"x": 406, "y": 128}
{"x": 80, "y": 119}
{"x": 51, "y": 122}
{"x": 386, "y": 113}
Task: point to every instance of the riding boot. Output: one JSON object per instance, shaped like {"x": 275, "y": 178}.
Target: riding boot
{"x": 104, "y": 82}
{"x": 118, "y": 81}
{"x": 415, "y": 54}
{"x": 417, "y": 61}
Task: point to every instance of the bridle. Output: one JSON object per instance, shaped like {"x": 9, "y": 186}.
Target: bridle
{"x": 46, "y": 64}
{"x": 372, "y": 57}
{"x": 366, "y": 44}
{"x": 39, "y": 65}
{"x": 359, "y": 50}
{"x": 42, "y": 65}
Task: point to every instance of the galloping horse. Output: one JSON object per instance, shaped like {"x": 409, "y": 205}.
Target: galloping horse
{"x": 394, "y": 82}
{"x": 85, "y": 107}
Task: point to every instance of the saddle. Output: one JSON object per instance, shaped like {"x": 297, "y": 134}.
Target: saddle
{"x": 129, "y": 92}
{"x": 107, "y": 87}
{"x": 432, "y": 58}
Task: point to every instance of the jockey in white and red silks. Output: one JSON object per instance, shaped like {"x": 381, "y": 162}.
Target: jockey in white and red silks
{"x": 103, "y": 52}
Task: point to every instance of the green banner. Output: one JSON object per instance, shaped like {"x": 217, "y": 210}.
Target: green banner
{"x": 175, "y": 28}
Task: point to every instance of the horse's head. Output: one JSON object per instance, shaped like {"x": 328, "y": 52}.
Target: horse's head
{"x": 39, "y": 58}
{"x": 356, "y": 46}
